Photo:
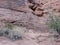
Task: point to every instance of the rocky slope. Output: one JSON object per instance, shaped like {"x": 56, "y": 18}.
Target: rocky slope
{"x": 31, "y": 14}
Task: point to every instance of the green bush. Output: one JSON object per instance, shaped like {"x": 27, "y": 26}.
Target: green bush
{"x": 9, "y": 25}
{"x": 54, "y": 23}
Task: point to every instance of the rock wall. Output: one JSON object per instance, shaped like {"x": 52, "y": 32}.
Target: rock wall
{"x": 26, "y": 13}
{"x": 31, "y": 14}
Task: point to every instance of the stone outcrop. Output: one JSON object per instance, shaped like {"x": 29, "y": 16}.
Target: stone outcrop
{"x": 19, "y": 5}
{"x": 27, "y": 20}
{"x": 25, "y": 12}
{"x": 31, "y": 14}
{"x": 38, "y": 7}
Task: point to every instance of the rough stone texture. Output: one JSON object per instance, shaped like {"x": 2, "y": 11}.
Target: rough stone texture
{"x": 30, "y": 15}
{"x": 27, "y": 20}
{"x": 46, "y": 5}
{"x": 23, "y": 5}
{"x": 13, "y": 4}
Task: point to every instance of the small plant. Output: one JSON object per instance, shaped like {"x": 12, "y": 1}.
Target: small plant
{"x": 9, "y": 25}
{"x": 54, "y": 23}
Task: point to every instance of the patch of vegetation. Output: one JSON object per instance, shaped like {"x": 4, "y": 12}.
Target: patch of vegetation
{"x": 12, "y": 32}
{"x": 54, "y": 23}
{"x": 9, "y": 25}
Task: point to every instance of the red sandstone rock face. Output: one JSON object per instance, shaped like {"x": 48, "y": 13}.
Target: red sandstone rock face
{"x": 33, "y": 7}
{"x": 54, "y": 5}
{"x": 13, "y": 4}
{"x": 37, "y": 7}
{"x": 48, "y": 5}
{"x": 29, "y": 19}
{"x": 41, "y": 6}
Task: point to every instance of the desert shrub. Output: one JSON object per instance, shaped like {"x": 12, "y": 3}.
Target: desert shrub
{"x": 12, "y": 32}
{"x": 9, "y": 25}
{"x": 54, "y": 23}
{"x": 14, "y": 35}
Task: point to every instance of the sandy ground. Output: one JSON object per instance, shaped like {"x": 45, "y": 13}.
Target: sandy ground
{"x": 30, "y": 38}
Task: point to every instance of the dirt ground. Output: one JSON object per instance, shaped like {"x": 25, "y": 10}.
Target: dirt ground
{"x": 30, "y": 38}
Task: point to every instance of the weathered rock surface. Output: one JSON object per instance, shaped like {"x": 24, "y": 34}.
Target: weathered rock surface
{"x": 27, "y": 20}
{"x": 27, "y": 14}
{"x": 45, "y": 5}
{"x": 13, "y": 4}
{"x": 38, "y": 7}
